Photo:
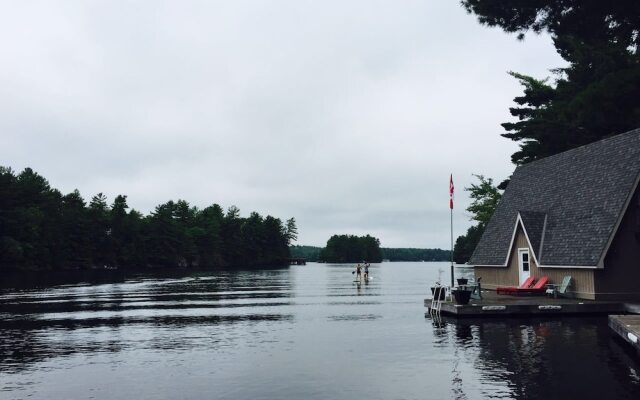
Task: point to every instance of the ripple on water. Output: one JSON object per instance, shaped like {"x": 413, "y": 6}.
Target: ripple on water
{"x": 354, "y": 317}
{"x": 298, "y": 332}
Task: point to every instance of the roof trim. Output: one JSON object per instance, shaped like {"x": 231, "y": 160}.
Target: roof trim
{"x": 533, "y": 252}
{"x": 541, "y": 266}
{"x": 618, "y": 222}
{"x": 569, "y": 266}
{"x": 490, "y": 266}
{"x": 513, "y": 237}
{"x": 544, "y": 231}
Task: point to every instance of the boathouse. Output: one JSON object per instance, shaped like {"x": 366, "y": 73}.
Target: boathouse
{"x": 577, "y": 214}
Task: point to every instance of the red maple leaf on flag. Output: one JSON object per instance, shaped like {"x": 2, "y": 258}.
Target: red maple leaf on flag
{"x": 451, "y": 191}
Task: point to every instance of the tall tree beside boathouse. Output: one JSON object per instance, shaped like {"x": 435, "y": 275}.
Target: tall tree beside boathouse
{"x": 595, "y": 95}
{"x": 485, "y": 198}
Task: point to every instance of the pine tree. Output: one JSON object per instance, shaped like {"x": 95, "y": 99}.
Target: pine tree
{"x": 596, "y": 95}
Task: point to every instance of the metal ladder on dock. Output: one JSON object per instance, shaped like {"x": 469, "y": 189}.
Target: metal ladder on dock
{"x": 436, "y": 301}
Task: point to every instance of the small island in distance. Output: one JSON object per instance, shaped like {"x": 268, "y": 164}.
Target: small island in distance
{"x": 347, "y": 248}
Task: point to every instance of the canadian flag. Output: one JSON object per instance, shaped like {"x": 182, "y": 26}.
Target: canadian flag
{"x": 451, "y": 191}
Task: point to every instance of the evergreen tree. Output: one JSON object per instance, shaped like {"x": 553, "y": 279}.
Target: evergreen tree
{"x": 466, "y": 244}
{"x": 254, "y": 240}
{"x": 277, "y": 243}
{"x": 292, "y": 231}
{"x": 232, "y": 236}
{"x": 596, "y": 95}
{"x": 207, "y": 236}
{"x": 75, "y": 249}
{"x": 99, "y": 230}
{"x": 38, "y": 220}
{"x": 11, "y": 247}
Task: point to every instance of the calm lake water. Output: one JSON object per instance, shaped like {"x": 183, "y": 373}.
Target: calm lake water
{"x": 303, "y": 332}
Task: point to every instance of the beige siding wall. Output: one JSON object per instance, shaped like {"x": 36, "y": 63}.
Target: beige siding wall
{"x": 492, "y": 277}
{"x": 582, "y": 279}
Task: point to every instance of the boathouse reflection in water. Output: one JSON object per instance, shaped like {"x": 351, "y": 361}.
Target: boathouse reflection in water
{"x": 541, "y": 359}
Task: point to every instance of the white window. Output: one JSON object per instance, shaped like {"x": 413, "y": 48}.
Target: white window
{"x": 525, "y": 261}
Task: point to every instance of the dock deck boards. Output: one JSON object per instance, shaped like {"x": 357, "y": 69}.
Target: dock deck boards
{"x": 493, "y": 304}
{"x": 627, "y": 327}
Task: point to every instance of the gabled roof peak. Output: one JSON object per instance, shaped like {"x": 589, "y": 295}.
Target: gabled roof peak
{"x": 582, "y": 195}
{"x": 534, "y": 223}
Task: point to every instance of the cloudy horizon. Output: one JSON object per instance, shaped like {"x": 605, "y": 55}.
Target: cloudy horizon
{"x": 348, "y": 116}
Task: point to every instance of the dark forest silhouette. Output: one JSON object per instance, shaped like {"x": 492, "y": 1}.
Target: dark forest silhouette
{"x": 40, "y": 228}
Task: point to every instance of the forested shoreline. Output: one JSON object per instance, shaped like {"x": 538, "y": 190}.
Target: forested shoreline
{"x": 414, "y": 254}
{"x": 312, "y": 253}
{"x": 42, "y": 229}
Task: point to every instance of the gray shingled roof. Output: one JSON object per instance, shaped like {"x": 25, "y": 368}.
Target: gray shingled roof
{"x": 582, "y": 191}
{"x": 534, "y": 224}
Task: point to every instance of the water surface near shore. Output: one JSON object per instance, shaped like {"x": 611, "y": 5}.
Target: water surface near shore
{"x": 297, "y": 332}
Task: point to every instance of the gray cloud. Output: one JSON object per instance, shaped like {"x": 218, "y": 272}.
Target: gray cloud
{"x": 348, "y": 115}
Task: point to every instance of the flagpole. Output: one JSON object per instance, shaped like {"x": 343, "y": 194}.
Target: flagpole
{"x": 452, "y": 247}
{"x": 451, "y": 208}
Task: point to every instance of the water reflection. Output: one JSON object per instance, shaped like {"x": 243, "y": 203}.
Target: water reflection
{"x": 39, "y": 323}
{"x": 300, "y": 332}
{"x": 355, "y": 317}
{"x": 538, "y": 359}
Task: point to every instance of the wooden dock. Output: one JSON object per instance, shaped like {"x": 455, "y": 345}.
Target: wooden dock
{"x": 503, "y": 305}
{"x": 627, "y": 327}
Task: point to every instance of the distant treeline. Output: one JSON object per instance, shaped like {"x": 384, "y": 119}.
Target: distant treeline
{"x": 312, "y": 253}
{"x": 40, "y": 228}
{"x": 411, "y": 254}
{"x": 309, "y": 253}
{"x": 351, "y": 248}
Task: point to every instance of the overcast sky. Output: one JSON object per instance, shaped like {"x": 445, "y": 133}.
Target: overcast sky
{"x": 347, "y": 115}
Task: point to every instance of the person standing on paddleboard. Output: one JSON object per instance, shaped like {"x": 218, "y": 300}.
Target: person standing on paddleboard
{"x": 359, "y": 272}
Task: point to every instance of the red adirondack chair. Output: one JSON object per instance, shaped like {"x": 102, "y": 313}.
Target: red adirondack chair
{"x": 538, "y": 288}
{"x": 512, "y": 289}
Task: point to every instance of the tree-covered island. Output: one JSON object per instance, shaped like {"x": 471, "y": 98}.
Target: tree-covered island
{"x": 414, "y": 254}
{"x": 42, "y": 229}
{"x": 350, "y": 248}
{"x": 312, "y": 253}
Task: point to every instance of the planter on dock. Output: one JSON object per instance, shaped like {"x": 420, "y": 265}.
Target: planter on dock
{"x": 462, "y": 296}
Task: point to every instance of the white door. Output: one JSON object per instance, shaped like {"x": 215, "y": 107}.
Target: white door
{"x": 523, "y": 264}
